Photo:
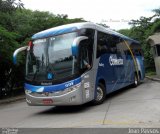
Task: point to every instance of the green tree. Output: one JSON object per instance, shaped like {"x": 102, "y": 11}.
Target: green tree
{"x": 126, "y": 32}
{"x": 8, "y": 44}
{"x": 9, "y": 6}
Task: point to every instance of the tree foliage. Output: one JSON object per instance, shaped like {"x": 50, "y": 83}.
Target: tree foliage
{"x": 8, "y": 44}
{"x": 9, "y": 6}
{"x": 17, "y": 25}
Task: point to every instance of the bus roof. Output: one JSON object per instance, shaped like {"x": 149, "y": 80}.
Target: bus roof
{"x": 76, "y": 26}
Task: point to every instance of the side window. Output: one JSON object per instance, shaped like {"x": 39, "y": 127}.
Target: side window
{"x": 107, "y": 43}
{"x": 137, "y": 52}
{"x": 136, "y": 48}
{"x": 102, "y": 44}
{"x": 113, "y": 41}
{"x": 122, "y": 49}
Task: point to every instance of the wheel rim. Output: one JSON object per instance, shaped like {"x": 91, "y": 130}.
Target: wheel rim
{"x": 136, "y": 81}
{"x": 99, "y": 93}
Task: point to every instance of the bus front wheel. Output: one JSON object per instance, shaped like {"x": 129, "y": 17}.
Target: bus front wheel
{"x": 100, "y": 94}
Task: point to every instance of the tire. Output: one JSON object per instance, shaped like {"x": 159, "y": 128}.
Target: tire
{"x": 100, "y": 94}
{"x": 136, "y": 81}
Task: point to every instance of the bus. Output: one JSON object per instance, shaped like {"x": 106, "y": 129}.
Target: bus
{"x": 78, "y": 63}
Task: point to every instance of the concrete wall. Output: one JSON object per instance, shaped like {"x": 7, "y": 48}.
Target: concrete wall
{"x": 153, "y": 41}
{"x": 157, "y": 64}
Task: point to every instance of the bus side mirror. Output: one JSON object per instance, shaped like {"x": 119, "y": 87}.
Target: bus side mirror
{"x": 76, "y": 43}
{"x": 16, "y": 52}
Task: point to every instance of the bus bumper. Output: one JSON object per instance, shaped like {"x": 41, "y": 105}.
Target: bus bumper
{"x": 74, "y": 97}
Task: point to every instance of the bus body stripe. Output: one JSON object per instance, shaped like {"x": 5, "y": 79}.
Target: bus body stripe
{"x": 135, "y": 62}
{"x": 52, "y": 88}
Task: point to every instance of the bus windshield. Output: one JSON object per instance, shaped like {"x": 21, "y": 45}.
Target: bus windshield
{"x": 51, "y": 58}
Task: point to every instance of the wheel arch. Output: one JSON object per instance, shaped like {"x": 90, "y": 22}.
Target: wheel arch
{"x": 103, "y": 82}
{"x": 139, "y": 73}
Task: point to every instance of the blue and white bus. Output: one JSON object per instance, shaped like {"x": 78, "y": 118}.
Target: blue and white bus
{"x": 77, "y": 63}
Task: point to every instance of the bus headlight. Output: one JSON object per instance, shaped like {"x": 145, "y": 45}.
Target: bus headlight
{"x": 28, "y": 91}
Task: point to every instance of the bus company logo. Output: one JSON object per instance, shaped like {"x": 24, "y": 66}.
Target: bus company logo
{"x": 69, "y": 84}
{"x": 113, "y": 60}
{"x": 101, "y": 65}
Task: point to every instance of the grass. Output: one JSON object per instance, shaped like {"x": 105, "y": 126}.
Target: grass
{"x": 150, "y": 73}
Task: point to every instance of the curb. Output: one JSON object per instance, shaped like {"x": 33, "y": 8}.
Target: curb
{"x": 12, "y": 99}
{"x": 154, "y": 79}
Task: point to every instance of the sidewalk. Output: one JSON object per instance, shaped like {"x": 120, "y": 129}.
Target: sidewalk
{"x": 12, "y": 99}
{"x": 153, "y": 77}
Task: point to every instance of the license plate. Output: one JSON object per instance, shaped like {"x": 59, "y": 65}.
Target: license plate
{"x": 47, "y": 101}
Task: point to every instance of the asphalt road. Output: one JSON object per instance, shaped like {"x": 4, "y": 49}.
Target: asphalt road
{"x": 130, "y": 107}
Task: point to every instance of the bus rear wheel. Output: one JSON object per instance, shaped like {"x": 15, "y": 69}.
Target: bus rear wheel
{"x": 100, "y": 94}
{"x": 136, "y": 81}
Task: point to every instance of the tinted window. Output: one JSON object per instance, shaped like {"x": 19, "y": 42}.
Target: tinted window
{"x": 106, "y": 43}
{"x": 138, "y": 52}
{"x": 122, "y": 48}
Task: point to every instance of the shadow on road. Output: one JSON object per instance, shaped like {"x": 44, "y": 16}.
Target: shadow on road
{"x": 84, "y": 107}
{"x": 123, "y": 90}
{"x": 66, "y": 109}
